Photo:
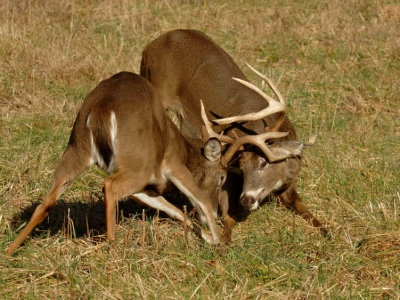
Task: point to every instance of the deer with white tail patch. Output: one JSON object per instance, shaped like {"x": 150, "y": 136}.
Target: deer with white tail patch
{"x": 122, "y": 127}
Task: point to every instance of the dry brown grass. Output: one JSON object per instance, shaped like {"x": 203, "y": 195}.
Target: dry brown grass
{"x": 338, "y": 65}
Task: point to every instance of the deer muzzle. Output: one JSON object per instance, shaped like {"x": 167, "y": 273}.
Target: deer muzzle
{"x": 249, "y": 202}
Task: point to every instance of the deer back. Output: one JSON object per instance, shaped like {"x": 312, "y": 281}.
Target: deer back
{"x": 185, "y": 66}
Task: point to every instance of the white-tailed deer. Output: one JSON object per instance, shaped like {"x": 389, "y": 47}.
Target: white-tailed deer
{"x": 185, "y": 66}
{"x": 122, "y": 127}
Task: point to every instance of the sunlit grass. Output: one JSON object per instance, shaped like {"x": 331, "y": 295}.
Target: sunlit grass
{"x": 338, "y": 67}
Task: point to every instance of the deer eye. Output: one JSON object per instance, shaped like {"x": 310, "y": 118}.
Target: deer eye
{"x": 262, "y": 164}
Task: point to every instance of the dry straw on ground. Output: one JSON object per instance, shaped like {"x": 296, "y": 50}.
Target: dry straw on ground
{"x": 338, "y": 65}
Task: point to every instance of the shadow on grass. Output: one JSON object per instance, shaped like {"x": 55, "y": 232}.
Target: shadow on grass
{"x": 87, "y": 217}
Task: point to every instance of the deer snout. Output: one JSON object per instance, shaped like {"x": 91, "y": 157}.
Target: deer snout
{"x": 248, "y": 202}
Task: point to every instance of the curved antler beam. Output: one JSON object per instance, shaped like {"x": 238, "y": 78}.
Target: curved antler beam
{"x": 259, "y": 141}
{"x": 274, "y": 107}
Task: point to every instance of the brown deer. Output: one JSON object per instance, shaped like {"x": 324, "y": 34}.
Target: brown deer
{"x": 122, "y": 127}
{"x": 185, "y": 66}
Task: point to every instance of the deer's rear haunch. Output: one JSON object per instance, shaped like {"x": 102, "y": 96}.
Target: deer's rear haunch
{"x": 122, "y": 128}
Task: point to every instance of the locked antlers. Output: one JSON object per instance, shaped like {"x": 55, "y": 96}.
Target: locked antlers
{"x": 273, "y": 107}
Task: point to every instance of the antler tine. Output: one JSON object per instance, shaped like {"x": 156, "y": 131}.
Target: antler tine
{"x": 269, "y": 82}
{"x": 274, "y": 107}
{"x": 259, "y": 141}
{"x": 281, "y": 119}
{"x": 208, "y": 126}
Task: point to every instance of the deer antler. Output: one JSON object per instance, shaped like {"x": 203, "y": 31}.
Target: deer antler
{"x": 259, "y": 141}
{"x": 274, "y": 106}
{"x": 270, "y": 84}
{"x": 281, "y": 119}
{"x": 208, "y": 127}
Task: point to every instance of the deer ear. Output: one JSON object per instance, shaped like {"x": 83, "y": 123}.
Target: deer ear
{"x": 287, "y": 147}
{"x": 213, "y": 149}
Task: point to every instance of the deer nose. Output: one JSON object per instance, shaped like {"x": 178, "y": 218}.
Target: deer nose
{"x": 251, "y": 200}
{"x": 247, "y": 201}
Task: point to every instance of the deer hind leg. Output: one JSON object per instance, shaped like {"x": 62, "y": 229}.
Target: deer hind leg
{"x": 117, "y": 186}
{"x": 65, "y": 173}
{"x": 39, "y": 214}
{"x": 160, "y": 203}
{"x": 292, "y": 200}
{"x": 181, "y": 177}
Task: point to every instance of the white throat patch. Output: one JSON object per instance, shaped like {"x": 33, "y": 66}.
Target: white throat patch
{"x": 278, "y": 185}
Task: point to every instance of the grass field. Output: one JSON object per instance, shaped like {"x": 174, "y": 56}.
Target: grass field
{"x": 338, "y": 65}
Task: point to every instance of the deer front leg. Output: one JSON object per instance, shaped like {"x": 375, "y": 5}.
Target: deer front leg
{"x": 292, "y": 200}
{"x": 181, "y": 177}
{"x": 160, "y": 203}
{"x": 227, "y": 220}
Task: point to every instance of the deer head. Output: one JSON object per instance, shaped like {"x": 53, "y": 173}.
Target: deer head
{"x": 269, "y": 167}
{"x": 262, "y": 177}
